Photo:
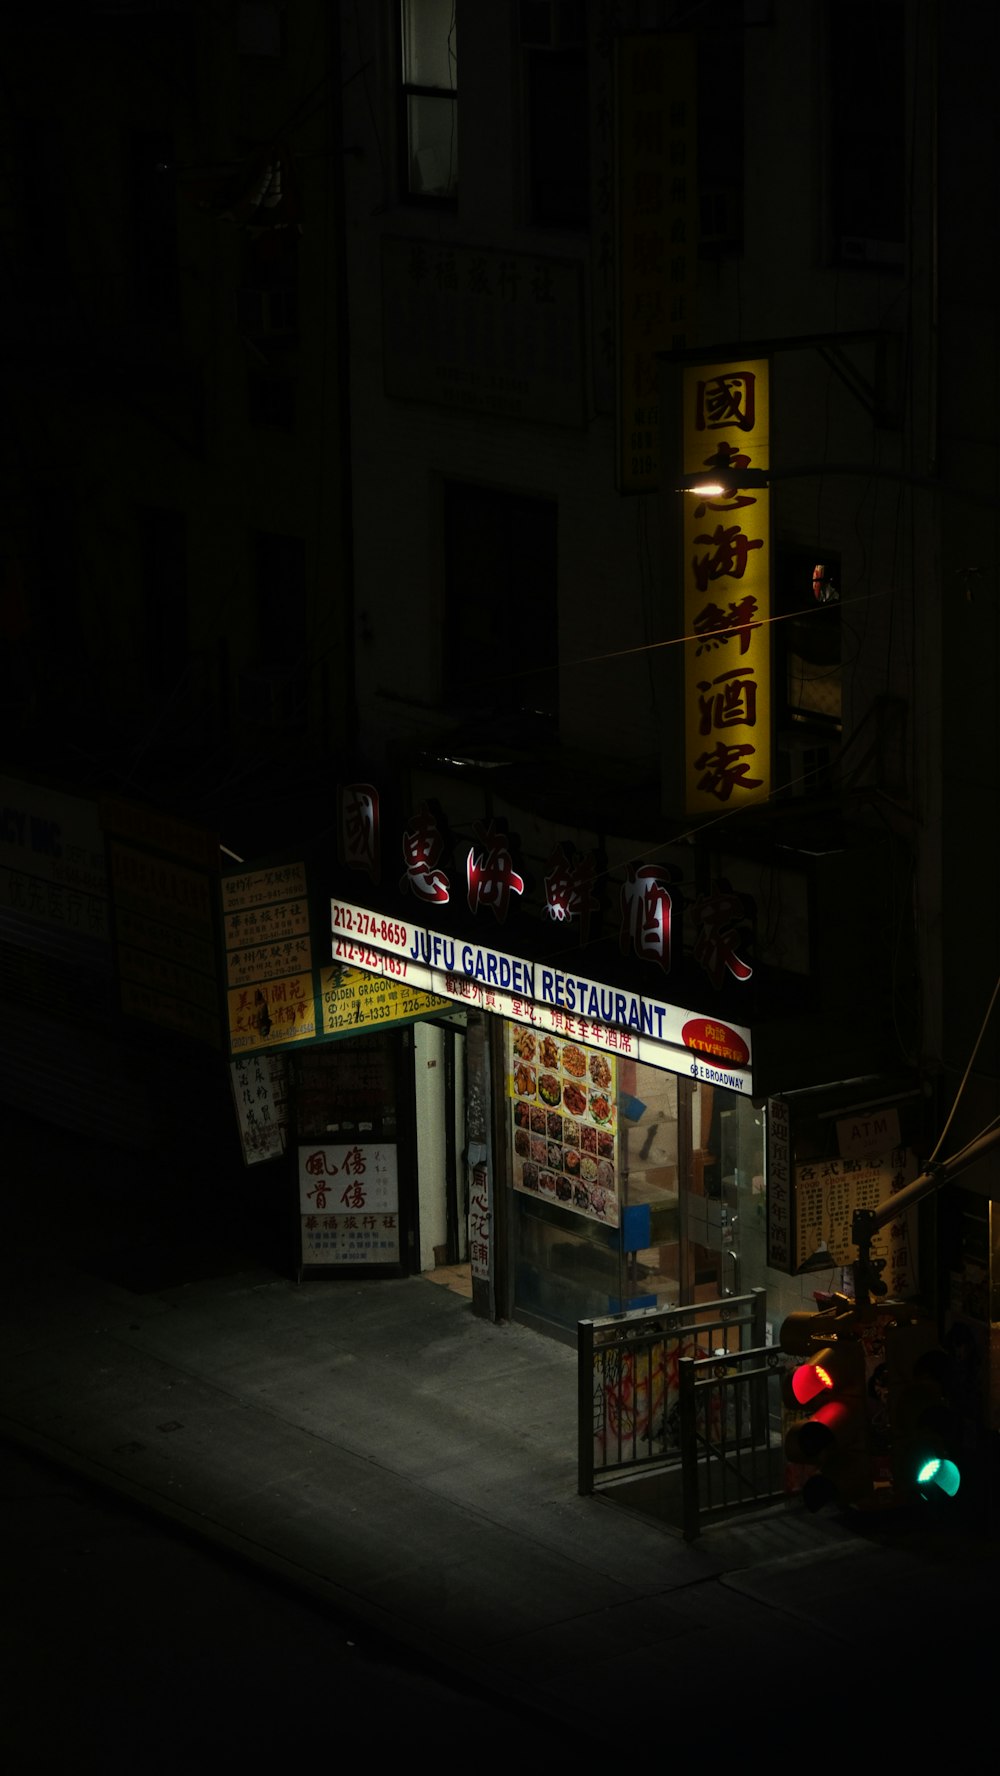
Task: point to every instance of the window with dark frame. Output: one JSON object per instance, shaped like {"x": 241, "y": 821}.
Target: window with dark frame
{"x": 280, "y": 573}
{"x": 163, "y": 578}
{"x": 429, "y": 101}
{"x": 807, "y": 600}
{"x": 274, "y": 686}
{"x": 721, "y": 128}
{"x": 271, "y": 400}
{"x": 43, "y": 194}
{"x": 151, "y": 227}
{"x": 260, "y": 29}
{"x": 501, "y": 612}
{"x": 867, "y": 132}
{"x": 556, "y": 112}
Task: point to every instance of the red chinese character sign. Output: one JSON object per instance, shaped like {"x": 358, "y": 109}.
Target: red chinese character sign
{"x": 726, "y": 569}
{"x": 360, "y": 836}
{"x": 349, "y": 1204}
{"x": 646, "y": 914}
{"x": 490, "y": 872}
{"x": 423, "y": 851}
{"x": 569, "y": 884}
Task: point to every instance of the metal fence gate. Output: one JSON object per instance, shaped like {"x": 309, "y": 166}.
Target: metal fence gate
{"x": 685, "y": 1393}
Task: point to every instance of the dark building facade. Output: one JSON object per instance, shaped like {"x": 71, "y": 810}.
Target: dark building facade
{"x": 598, "y": 862}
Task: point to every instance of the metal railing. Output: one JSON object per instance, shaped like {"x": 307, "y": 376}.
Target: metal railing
{"x": 730, "y": 1430}
{"x": 686, "y": 1388}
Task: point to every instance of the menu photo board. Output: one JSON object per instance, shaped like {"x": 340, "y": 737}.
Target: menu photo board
{"x": 564, "y": 1136}
{"x": 349, "y": 1204}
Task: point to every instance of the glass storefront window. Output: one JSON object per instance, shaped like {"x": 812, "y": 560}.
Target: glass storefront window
{"x": 631, "y": 1187}
{"x": 653, "y": 1153}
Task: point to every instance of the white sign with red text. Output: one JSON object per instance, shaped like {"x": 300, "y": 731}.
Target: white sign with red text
{"x": 352, "y": 1179}
{"x": 349, "y": 1203}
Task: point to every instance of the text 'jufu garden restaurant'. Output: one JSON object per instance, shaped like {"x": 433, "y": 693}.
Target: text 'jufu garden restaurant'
{"x": 621, "y": 1134}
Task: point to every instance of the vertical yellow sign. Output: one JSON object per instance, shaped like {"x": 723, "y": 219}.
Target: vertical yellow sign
{"x": 727, "y": 590}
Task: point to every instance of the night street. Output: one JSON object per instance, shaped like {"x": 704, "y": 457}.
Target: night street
{"x": 499, "y": 1051}
{"x": 126, "y": 1646}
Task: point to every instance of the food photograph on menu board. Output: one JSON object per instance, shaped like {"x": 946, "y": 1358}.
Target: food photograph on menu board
{"x": 564, "y": 1123}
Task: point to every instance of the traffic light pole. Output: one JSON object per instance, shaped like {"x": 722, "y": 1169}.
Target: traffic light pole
{"x": 865, "y": 1223}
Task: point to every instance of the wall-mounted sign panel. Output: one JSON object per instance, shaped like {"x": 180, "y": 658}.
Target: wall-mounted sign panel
{"x": 546, "y": 998}
{"x": 52, "y": 866}
{"x": 493, "y": 333}
{"x": 349, "y": 1204}
{"x": 165, "y": 926}
{"x": 355, "y": 1000}
{"x": 726, "y": 576}
{"x": 811, "y": 1205}
{"x": 260, "y": 1096}
{"x": 271, "y": 996}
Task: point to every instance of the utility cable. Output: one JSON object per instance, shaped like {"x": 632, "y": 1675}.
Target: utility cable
{"x": 968, "y": 1069}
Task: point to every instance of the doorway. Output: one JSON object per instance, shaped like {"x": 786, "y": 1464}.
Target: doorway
{"x": 439, "y": 1103}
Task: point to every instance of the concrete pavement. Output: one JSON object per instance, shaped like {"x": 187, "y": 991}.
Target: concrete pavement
{"x": 379, "y": 1446}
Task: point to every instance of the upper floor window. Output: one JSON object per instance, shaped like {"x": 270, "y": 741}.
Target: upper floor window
{"x": 164, "y": 588}
{"x": 151, "y": 227}
{"x": 501, "y": 651}
{"x": 429, "y": 94}
{"x": 808, "y": 638}
{"x": 556, "y": 111}
{"x": 867, "y": 42}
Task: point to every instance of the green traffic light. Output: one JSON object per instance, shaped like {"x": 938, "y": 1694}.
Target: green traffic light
{"x": 940, "y": 1474}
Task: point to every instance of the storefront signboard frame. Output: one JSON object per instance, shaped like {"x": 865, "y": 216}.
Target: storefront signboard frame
{"x": 550, "y": 999}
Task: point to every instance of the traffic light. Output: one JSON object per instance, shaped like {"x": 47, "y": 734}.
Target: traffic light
{"x": 924, "y": 1426}
{"x": 826, "y": 1394}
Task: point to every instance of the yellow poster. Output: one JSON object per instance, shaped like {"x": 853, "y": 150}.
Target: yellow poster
{"x": 727, "y": 589}
{"x": 356, "y": 1000}
{"x": 269, "y": 969}
{"x": 272, "y": 1012}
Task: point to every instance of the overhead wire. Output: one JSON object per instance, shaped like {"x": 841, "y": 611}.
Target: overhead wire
{"x": 966, "y": 1075}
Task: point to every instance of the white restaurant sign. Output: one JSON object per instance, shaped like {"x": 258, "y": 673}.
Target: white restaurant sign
{"x": 548, "y": 998}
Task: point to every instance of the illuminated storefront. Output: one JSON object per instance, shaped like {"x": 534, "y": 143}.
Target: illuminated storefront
{"x": 558, "y": 1054}
{"x": 626, "y": 1148}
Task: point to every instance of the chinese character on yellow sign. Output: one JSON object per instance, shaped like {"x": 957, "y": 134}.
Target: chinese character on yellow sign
{"x": 271, "y": 1013}
{"x": 727, "y": 591}
{"x": 269, "y": 973}
{"x": 355, "y": 1000}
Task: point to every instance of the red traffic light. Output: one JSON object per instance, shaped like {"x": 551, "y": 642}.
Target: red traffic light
{"x": 827, "y": 1430}
{"x": 810, "y": 1381}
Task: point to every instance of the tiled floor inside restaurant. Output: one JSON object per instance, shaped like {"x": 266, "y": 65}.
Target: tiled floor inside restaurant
{"x": 453, "y": 1276}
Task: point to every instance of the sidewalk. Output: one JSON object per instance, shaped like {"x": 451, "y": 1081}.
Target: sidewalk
{"x": 379, "y": 1446}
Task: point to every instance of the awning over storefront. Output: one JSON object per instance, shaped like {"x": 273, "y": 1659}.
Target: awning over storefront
{"x": 550, "y": 999}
